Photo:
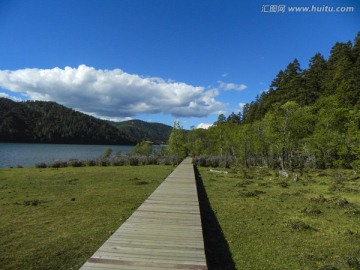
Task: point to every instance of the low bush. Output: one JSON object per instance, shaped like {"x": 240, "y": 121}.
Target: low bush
{"x": 118, "y": 161}
{"x": 312, "y": 210}
{"x": 91, "y": 162}
{"x": 40, "y": 165}
{"x": 76, "y": 163}
{"x": 132, "y": 160}
{"x": 335, "y": 201}
{"x": 298, "y": 225}
{"x": 59, "y": 164}
{"x": 284, "y": 184}
{"x": 103, "y": 161}
{"x": 214, "y": 161}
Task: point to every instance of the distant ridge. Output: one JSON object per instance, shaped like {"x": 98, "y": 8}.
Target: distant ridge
{"x": 50, "y": 122}
{"x": 139, "y": 130}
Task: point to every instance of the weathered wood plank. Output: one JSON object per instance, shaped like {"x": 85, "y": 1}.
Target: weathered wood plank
{"x": 163, "y": 233}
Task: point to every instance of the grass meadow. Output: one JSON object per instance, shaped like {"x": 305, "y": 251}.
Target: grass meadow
{"x": 271, "y": 222}
{"x": 57, "y": 218}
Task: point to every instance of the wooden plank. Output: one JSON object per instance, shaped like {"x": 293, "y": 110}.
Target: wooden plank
{"x": 163, "y": 233}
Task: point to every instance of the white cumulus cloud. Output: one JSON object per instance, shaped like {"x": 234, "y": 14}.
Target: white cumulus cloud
{"x": 111, "y": 93}
{"x": 231, "y": 86}
{"x": 204, "y": 125}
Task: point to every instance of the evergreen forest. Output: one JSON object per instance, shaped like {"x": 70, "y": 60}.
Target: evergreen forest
{"x": 308, "y": 117}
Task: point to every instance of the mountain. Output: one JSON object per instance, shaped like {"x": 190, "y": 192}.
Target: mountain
{"x": 139, "y": 130}
{"x": 49, "y": 122}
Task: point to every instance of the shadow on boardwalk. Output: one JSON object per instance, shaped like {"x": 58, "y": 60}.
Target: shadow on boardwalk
{"x": 218, "y": 255}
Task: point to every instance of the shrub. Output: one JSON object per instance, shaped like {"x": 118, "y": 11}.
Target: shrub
{"x": 162, "y": 161}
{"x": 311, "y": 211}
{"x": 151, "y": 160}
{"x": 76, "y": 163}
{"x": 353, "y": 211}
{"x": 40, "y": 165}
{"x": 59, "y": 164}
{"x": 298, "y": 225}
{"x": 342, "y": 202}
{"x": 55, "y": 164}
{"x": 118, "y": 161}
{"x": 284, "y": 184}
{"x": 91, "y": 162}
{"x": 335, "y": 201}
{"x": 103, "y": 162}
{"x": 142, "y": 160}
{"x": 143, "y": 148}
{"x": 214, "y": 161}
{"x": 200, "y": 161}
{"x": 320, "y": 199}
{"x": 107, "y": 152}
{"x": 115, "y": 161}
{"x": 169, "y": 160}
{"x": 354, "y": 263}
{"x": 133, "y": 161}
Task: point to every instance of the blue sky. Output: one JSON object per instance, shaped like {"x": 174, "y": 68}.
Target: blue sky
{"x": 159, "y": 60}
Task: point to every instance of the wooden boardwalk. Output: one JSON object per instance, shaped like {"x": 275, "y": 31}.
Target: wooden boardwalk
{"x": 163, "y": 233}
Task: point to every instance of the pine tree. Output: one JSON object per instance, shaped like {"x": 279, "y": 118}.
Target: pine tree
{"x": 314, "y": 78}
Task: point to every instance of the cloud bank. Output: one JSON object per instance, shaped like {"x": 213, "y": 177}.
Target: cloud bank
{"x": 111, "y": 94}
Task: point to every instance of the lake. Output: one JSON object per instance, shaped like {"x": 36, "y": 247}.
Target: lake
{"x": 28, "y": 154}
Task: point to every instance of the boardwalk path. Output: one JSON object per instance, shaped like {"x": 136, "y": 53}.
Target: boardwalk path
{"x": 163, "y": 233}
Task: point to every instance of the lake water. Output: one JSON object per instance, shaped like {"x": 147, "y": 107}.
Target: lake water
{"x": 28, "y": 154}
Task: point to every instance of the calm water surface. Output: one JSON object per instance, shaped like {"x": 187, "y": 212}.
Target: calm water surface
{"x": 27, "y": 155}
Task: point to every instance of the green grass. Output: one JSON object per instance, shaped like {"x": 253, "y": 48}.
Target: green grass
{"x": 271, "y": 222}
{"x": 57, "y": 218}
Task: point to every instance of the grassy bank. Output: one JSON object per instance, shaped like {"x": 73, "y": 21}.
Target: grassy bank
{"x": 56, "y": 218}
{"x": 271, "y": 222}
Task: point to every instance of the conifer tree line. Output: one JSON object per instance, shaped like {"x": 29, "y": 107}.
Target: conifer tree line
{"x": 308, "y": 117}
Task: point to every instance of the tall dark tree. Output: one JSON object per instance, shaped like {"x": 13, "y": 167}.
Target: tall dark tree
{"x": 314, "y": 78}
{"x": 338, "y": 77}
{"x": 234, "y": 118}
{"x": 354, "y": 95}
{"x": 278, "y": 80}
{"x": 221, "y": 119}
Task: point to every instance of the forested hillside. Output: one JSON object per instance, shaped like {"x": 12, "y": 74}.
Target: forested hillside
{"x": 156, "y": 133}
{"x": 308, "y": 117}
{"x": 339, "y": 76}
{"x": 49, "y": 122}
